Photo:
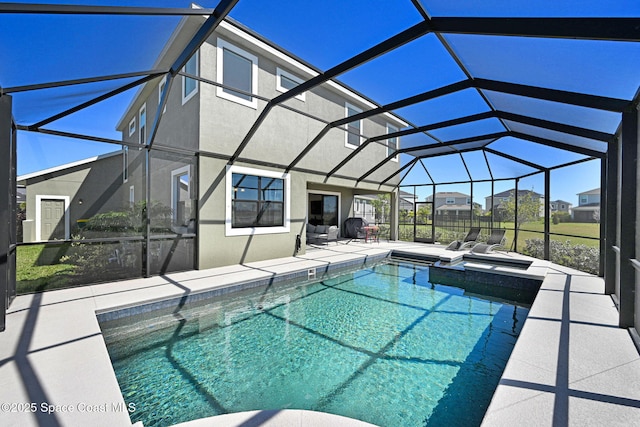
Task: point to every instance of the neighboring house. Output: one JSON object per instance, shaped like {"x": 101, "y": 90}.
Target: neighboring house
{"x": 407, "y": 201}
{"x": 588, "y": 209}
{"x": 452, "y": 205}
{"x": 560, "y": 206}
{"x": 364, "y": 208}
{"x": 252, "y": 207}
{"x": 57, "y": 198}
{"x": 500, "y": 198}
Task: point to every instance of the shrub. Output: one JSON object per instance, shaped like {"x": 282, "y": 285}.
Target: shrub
{"x": 580, "y": 257}
{"x": 559, "y": 217}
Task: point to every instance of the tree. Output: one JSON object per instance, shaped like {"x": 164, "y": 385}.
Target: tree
{"x": 381, "y": 205}
{"x": 424, "y": 211}
{"x": 528, "y": 207}
{"x": 596, "y": 215}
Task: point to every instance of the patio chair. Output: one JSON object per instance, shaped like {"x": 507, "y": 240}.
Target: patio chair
{"x": 495, "y": 240}
{"x": 469, "y": 240}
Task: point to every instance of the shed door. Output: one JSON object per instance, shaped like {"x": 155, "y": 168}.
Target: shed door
{"x": 52, "y": 219}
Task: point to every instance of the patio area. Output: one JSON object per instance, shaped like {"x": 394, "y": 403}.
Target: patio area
{"x": 571, "y": 366}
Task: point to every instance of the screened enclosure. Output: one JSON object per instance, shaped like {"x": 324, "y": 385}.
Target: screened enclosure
{"x": 479, "y": 108}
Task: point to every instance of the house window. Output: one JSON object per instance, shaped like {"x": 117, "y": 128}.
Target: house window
{"x": 583, "y": 200}
{"x": 450, "y": 201}
{"x": 392, "y": 143}
{"x": 180, "y": 199}
{"x": 468, "y": 200}
{"x": 189, "y": 85}
{"x": 132, "y": 196}
{"x": 354, "y": 129}
{"x": 357, "y": 205}
{"x": 142, "y": 134}
{"x": 161, "y": 87}
{"x": 286, "y": 81}
{"x": 237, "y": 69}
{"x": 257, "y": 201}
{"x": 563, "y": 207}
{"x": 132, "y": 126}
{"x": 125, "y": 163}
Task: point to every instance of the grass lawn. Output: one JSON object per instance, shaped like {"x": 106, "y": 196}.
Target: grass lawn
{"x": 33, "y": 274}
{"x": 574, "y": 228}
{"x": 533, "y": 230}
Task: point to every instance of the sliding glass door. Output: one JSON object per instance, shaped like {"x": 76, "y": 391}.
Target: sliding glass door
{"x": 323, "y": 209}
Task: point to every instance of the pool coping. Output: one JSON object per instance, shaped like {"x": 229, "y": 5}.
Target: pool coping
{"x": 570, "y": 353}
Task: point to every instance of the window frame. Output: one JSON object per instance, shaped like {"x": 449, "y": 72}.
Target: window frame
{"x": 282, "y": 73}
{"x": 142, "y": 125}
{"x": 187, "y": 96}
{"x": 221, "y": 45}
{"x": 175, "y": 192}
{"x": 245, "y": 231}
{"x": 132, "y": 126}
{"x": 125, "y": 163}
{"x": 392, "y": 129}
{"x": 358, "y": 110}
{"x": 450, "y": 201}
{"x": 162, "y": 83}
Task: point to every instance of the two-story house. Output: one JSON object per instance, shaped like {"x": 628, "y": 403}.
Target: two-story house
{"x": 588, "y": 209}
{"x": 452, "y": 205}
{"x": 249, "y": 203}
{"x": 560, "y": 206}
{"x": 499, "y": 199}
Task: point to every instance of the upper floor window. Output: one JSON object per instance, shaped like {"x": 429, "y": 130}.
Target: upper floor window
{"x": 583, "y": 200}
{"x": 189, "y": 85}
{"x": 161, "y": 87}
{"x": 450, "y": 201}
{"x": 354, "y": 129}
{"x": 392, "y": 143}
{"x": 563, "y": 206}
{"x": 468, "y": 200}
{"x": 286, "y": 81}
{"x": 132, "y": 126}
{"x": 142, "y": 134}
{"x": 237, "y": 69}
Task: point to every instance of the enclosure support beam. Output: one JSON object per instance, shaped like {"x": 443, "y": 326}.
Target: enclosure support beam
{"x": 611, "y": 219}
{"x": 628, "y": 196}
{"x": 547, "y": 212}
{"x": 7, "y": 276}
{"x": 603, "y": 216}
{"x": 515, "y": 222}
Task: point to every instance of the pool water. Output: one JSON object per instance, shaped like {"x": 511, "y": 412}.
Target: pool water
{"x": 380, "y": 345}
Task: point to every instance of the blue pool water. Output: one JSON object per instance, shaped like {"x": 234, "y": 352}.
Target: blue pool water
{"x": 382, "y": 345}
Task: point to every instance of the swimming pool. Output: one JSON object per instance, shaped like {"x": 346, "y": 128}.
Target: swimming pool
{"x": 382, "y": 345}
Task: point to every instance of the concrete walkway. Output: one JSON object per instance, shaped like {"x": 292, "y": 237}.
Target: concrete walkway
{"x": 571, "y": 365}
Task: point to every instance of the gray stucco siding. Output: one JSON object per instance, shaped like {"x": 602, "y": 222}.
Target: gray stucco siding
{"x": 91, "y": 188}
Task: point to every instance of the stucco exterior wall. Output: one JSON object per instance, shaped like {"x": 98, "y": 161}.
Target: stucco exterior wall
{"x": 91, "y": 188}
{"x": 284, "y": 134}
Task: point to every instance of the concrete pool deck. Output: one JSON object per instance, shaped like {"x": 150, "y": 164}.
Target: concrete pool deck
{"x": 571, "y": 365}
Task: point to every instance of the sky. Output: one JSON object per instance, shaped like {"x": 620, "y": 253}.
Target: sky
{"x": 58, "y": 47}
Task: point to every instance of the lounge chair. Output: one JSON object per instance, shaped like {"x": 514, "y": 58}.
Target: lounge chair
{"x": 469, "y": 239}
{"x": 495, "y": 240}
